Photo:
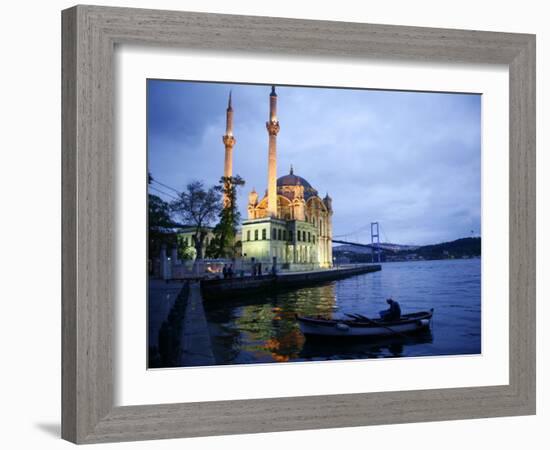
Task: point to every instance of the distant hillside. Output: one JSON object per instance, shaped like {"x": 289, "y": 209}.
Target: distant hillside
{"x": 351, "y": 249}
{"x": 461, "y": 248}
{"x": 368, "y": 248}
{"x": 465, "y": 247}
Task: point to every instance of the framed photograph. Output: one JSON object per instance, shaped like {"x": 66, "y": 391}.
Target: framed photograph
{"x": 267, "y": 229}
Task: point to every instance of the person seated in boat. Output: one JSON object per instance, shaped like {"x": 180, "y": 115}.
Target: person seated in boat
{"x": 393, "y": 313}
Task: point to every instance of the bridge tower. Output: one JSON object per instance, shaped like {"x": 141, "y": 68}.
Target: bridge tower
{"x": 375, "y": 240}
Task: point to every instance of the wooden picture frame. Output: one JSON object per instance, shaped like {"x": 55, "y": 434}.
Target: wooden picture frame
{"x": 90, "y": 34}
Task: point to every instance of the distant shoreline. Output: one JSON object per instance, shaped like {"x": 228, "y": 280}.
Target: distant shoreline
{"x": 464, "y": 248}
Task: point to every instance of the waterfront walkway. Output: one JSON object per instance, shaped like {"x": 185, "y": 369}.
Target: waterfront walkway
{"x": 336, "y": 269}
{"x": 224, "y": 287}
{"x": 196, "y": 344}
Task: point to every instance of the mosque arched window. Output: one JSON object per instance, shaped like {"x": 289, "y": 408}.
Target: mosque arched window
{"x": 264, "y": 234}
{"x": 255, "y": 235}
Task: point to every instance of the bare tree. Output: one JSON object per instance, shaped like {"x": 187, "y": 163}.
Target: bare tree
{"x": 198, "y": 207}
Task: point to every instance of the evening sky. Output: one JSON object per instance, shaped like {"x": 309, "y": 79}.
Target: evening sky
{"x": 408, "y": 160}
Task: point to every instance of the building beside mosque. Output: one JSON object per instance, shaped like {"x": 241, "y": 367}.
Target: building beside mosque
{"x": 291, "y": 225}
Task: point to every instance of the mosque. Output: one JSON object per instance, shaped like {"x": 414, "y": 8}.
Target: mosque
{"x": 291, "y": 225}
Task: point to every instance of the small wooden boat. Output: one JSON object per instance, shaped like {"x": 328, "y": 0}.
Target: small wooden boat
{"x": 361, "y": 326}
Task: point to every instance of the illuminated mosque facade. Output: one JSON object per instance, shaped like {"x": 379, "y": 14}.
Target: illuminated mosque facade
{"x": 291, "y": 225}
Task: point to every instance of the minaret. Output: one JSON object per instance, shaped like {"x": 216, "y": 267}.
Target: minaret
{"x": 229, "y": 142}
{"x": 272, "y": 129}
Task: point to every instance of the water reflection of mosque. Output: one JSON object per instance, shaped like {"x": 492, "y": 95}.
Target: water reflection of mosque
{"x": 267, "y": 329}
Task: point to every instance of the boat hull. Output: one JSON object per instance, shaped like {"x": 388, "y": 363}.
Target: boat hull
{"x": 346, "y": 328}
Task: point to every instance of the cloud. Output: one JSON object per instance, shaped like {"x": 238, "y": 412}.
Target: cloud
{"x": 411, "y": 161}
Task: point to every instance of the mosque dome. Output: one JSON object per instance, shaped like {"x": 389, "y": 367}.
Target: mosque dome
{"x": 293, "y": 180}
{"x": 286, "y": 182}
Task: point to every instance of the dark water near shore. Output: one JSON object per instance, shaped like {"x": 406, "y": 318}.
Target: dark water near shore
{"x": 262, "y": 328}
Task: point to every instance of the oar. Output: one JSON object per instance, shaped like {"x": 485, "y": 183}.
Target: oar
{"x": 353, "y": 316}
{"x": 378, "y": 324}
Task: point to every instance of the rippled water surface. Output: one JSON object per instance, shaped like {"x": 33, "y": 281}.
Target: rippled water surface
{"x": 262, "y": 328}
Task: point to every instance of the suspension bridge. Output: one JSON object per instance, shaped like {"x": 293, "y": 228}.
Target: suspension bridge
{"x": 374, "y": 244}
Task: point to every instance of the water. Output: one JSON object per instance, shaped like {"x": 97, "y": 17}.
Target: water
{"x": 263, "y": 329}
